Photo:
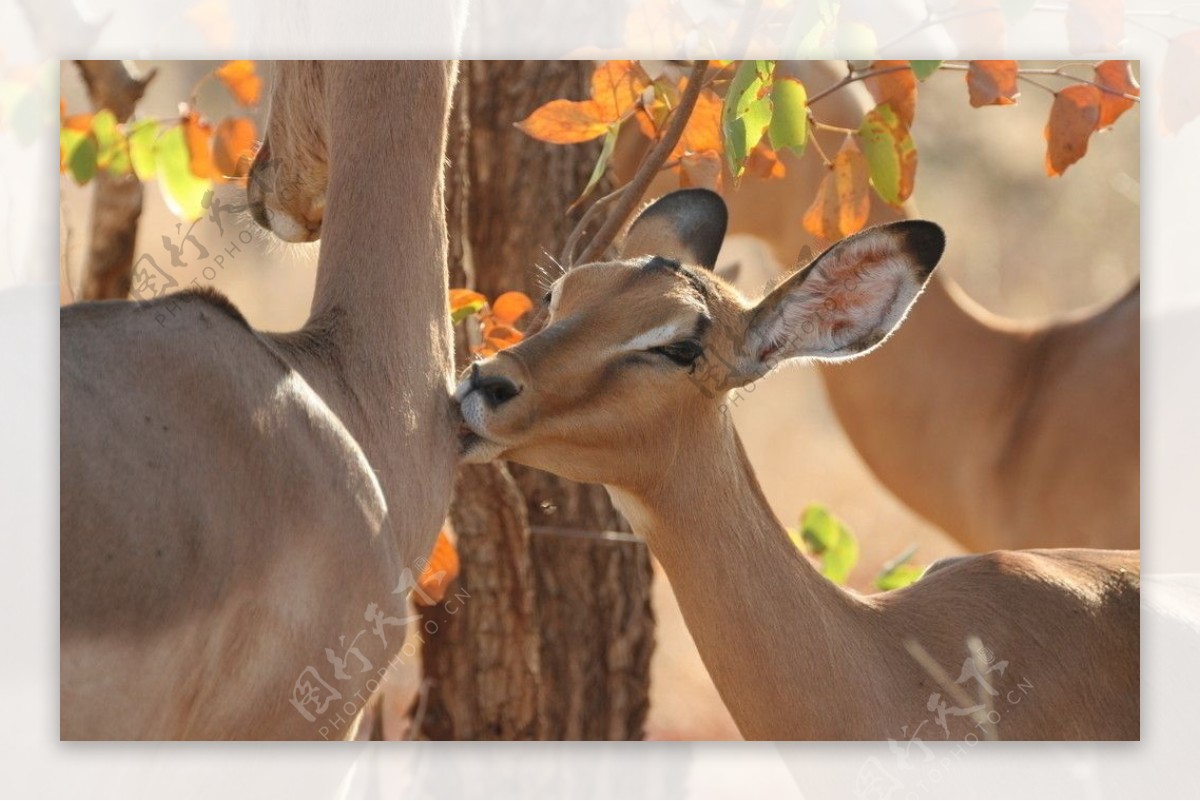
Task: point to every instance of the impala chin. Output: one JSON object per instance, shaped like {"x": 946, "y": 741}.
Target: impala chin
{"x": 474, "y": 447}
{"x": 288, "y": 228}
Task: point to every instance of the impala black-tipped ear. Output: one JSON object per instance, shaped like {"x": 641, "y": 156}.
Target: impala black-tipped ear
{"x": 687, "y": 226}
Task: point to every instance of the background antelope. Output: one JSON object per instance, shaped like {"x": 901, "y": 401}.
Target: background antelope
{"x": 625, "y": 386}
{"x": 234, "y": 504}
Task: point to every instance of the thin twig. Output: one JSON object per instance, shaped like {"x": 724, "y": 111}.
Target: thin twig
{"x": 1057, "y": 72}
{"x": 649, "y": 168}
{"x": 851, "y": 78}
{"x": 568, "y": 251}
{"x": 1039, "y": 85}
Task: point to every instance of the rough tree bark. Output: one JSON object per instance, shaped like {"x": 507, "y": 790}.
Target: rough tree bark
{"x": 592, "y": 625}
{"x": 116, "y": 201}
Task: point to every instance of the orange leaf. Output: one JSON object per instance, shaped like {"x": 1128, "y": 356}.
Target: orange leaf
{"x": 78, "y": 122}
{"x": 1118, "y": 76}
{"x": 898, "y": 89}
{"x": 241, "y": 80}
{"x": 62, "y": 110}
{"x": 510, "y": 307}
{"x": 499, "y": 335}
{"x": 233, "y": 149}
{"x": 842, "y": 203}
{"x": 764, "y": 163}
{"x": 198, "y": 135}
{"x": 702, "y": 134}
{"x": 485, "y": 350}
{"x": 441, "y": 569}
{"x": 1073, "y": 117}
{"x": 566, "y": 122}
{"x": 617, "y": 86}
{"x": 992, "y": 83}
{"x": 465, "y": 297}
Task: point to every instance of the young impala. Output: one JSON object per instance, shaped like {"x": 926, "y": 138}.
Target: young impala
{"x": 624, "y": 385}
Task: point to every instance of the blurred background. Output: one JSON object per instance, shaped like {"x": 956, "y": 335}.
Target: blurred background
{"x": 1021, "y": 244}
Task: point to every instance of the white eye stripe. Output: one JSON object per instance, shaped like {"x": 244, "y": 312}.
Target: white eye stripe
{"x": 656, "y": 337}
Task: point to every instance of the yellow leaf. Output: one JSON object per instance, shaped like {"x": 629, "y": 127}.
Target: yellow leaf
{"x": 842, "y": 203}
{"x": 617, "y": 86}
{"x": 566, "y": 122}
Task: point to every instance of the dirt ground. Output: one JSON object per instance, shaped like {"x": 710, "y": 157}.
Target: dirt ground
{"x": 1020, "y": 243}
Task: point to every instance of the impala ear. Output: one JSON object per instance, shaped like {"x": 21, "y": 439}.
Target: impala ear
{"x": 687, "y": 226}
{"x": 847, "y": 301}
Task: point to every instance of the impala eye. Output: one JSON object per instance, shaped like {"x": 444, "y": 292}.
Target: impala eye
{"x": 546, "y": 298}
{"x": 682, "y": 353}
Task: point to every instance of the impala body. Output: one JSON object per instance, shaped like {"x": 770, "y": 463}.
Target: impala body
{"x": 625, "y": 385}
{"x": 241, "y": 510}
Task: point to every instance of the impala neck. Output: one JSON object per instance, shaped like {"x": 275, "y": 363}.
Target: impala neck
{"x": 377, "y": 345}
{"x": 902, "y": 400}
{"x": 780, "y": 641}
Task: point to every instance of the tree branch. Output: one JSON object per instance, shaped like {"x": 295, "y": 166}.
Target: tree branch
{"x": 648, "y": 168}
{"x": 116, "y": 201}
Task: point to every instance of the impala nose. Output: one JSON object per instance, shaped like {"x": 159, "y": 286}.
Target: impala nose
{"x": 496, "y": 390}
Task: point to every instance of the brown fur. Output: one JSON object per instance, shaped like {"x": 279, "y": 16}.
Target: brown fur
{"x": 793, "y": 655}
{"x": 231, "y": 501}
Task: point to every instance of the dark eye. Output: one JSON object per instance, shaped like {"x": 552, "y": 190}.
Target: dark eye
{"x": 682, "y": 353}
{"x": 546, "y": 298}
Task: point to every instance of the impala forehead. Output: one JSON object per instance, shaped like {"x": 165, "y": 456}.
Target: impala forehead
{"x": 643, "y": 302}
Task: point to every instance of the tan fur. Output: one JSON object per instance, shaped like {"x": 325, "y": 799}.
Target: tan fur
{"x": 1003, "y": 434}
{"x": 232, "y": 501}
{"x": 793, "y": 655}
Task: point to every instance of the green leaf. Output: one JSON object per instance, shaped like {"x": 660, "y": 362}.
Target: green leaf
{"x": 747, "y": 112}
{"x": 830, "y": 540}
{"x": 113, "y": 152}
{"x": 142, "y": 137}
{"x": 897, "y": 573}
{"x": 79, "y": 153}
{"x": 180, "y": 187}
{"x": 789, "y": 115}
{"x": 923, "y": 69}
{"x": 466, "y": 310}
{"x": 610, "y": 141}
{"x": 891, "y": 154}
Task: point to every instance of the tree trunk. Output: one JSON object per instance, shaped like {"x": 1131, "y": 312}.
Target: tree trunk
{"x": 562, "y": 547}
{"x": 116, "y": 201}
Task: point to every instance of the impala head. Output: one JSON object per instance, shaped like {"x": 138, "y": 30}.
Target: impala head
{"x": 288, "y": 179}
{"x": 638, "y": 354}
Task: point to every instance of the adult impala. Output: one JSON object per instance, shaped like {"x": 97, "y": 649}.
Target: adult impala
{"x": 237, "y": 507}
{"x": 620, "y": 388}
{"x": 1005, "y": 434}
